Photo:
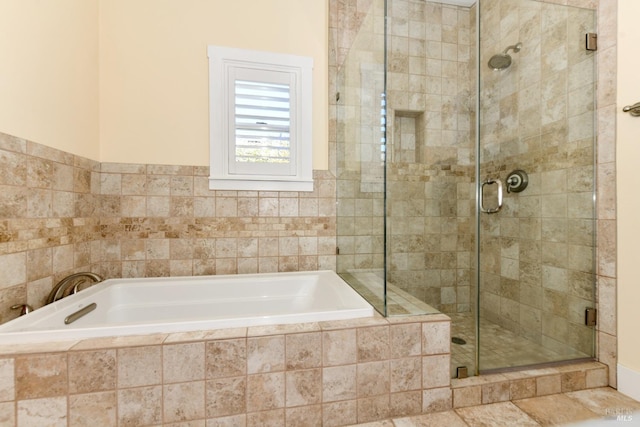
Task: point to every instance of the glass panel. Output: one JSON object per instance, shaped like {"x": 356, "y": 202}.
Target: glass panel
{"x": 360, "y": 153}
{"x": 430, "y": 168}
{"x": 536, "y": 114}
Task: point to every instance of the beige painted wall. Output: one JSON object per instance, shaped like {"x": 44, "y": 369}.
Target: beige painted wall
{"x": 154, "y": 70}
{"x": 628, "y": 187}
{"x": 49, "y": 73}
{"x": 127, "y": 81}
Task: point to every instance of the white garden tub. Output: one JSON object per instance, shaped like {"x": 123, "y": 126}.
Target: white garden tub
{"x": 182, "y": 304}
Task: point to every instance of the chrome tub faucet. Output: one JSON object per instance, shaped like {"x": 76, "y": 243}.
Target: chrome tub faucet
{"x": 72, "y": 282}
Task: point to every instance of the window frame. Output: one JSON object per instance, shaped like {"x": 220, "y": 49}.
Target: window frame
{"x": 225, "y": 64}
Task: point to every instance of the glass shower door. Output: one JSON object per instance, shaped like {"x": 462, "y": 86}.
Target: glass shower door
{"x": 536, "y": 228}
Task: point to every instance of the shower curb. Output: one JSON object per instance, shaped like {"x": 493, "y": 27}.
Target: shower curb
{"x": 506, "y": 386}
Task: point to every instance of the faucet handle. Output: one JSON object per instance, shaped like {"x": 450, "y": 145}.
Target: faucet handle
{"x": 24, "y": 308}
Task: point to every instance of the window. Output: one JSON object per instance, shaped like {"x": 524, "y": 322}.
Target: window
{"x": 260, "y": 118}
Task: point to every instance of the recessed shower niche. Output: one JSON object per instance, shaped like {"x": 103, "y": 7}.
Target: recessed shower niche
{"x": 408, "y": 136}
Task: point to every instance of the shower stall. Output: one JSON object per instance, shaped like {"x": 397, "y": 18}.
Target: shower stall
{"x": 465, "y": 163}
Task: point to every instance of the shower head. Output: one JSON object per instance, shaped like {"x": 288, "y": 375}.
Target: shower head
{"x": 502, "y": 60}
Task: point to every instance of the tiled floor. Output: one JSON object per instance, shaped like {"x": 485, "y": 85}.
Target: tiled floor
{"x": 599, "y": 406}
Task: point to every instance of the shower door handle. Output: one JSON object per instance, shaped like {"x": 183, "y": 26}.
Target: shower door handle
{"x": 491, "y": 181}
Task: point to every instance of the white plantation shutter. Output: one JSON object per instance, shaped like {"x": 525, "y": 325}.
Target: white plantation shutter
{"x": 260, "y": 121}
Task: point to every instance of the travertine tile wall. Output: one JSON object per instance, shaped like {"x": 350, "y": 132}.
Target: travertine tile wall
{"x": 164, "y": 221}
{"x": 313, "y": 374}
{"x": 50, "y": 208}
{"x": 62, "y": 214}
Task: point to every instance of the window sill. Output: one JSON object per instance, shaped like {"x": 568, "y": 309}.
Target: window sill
{"x": 259, "y": 185}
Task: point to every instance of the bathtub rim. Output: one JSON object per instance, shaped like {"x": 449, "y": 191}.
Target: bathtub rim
{"x": 142, "y": 329}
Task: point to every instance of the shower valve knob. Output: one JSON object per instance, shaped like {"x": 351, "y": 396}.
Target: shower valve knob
{"x": 517, "y": 181}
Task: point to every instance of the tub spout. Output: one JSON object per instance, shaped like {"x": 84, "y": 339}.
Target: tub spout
{"x": 24, "y": 308}
{"x": 72, "y": 281}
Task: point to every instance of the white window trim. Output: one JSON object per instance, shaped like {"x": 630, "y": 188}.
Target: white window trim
{"x": 222, "y": 62}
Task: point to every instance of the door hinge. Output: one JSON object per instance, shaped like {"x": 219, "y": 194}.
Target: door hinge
{"x": 590, "y": 316}
{"x": 337, "y": 250}
{"x": 462, "y": 372}
{"x": 591, "y": 42}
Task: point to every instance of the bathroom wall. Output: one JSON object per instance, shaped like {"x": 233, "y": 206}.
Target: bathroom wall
{"x": 49, "y": 81}
{"x": 628, "y": 232}
{"x": 154, "y": 70}
{"x": 122, "y": 81}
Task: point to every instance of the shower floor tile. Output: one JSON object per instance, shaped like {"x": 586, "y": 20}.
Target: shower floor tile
{"x": 499, "y": 347}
